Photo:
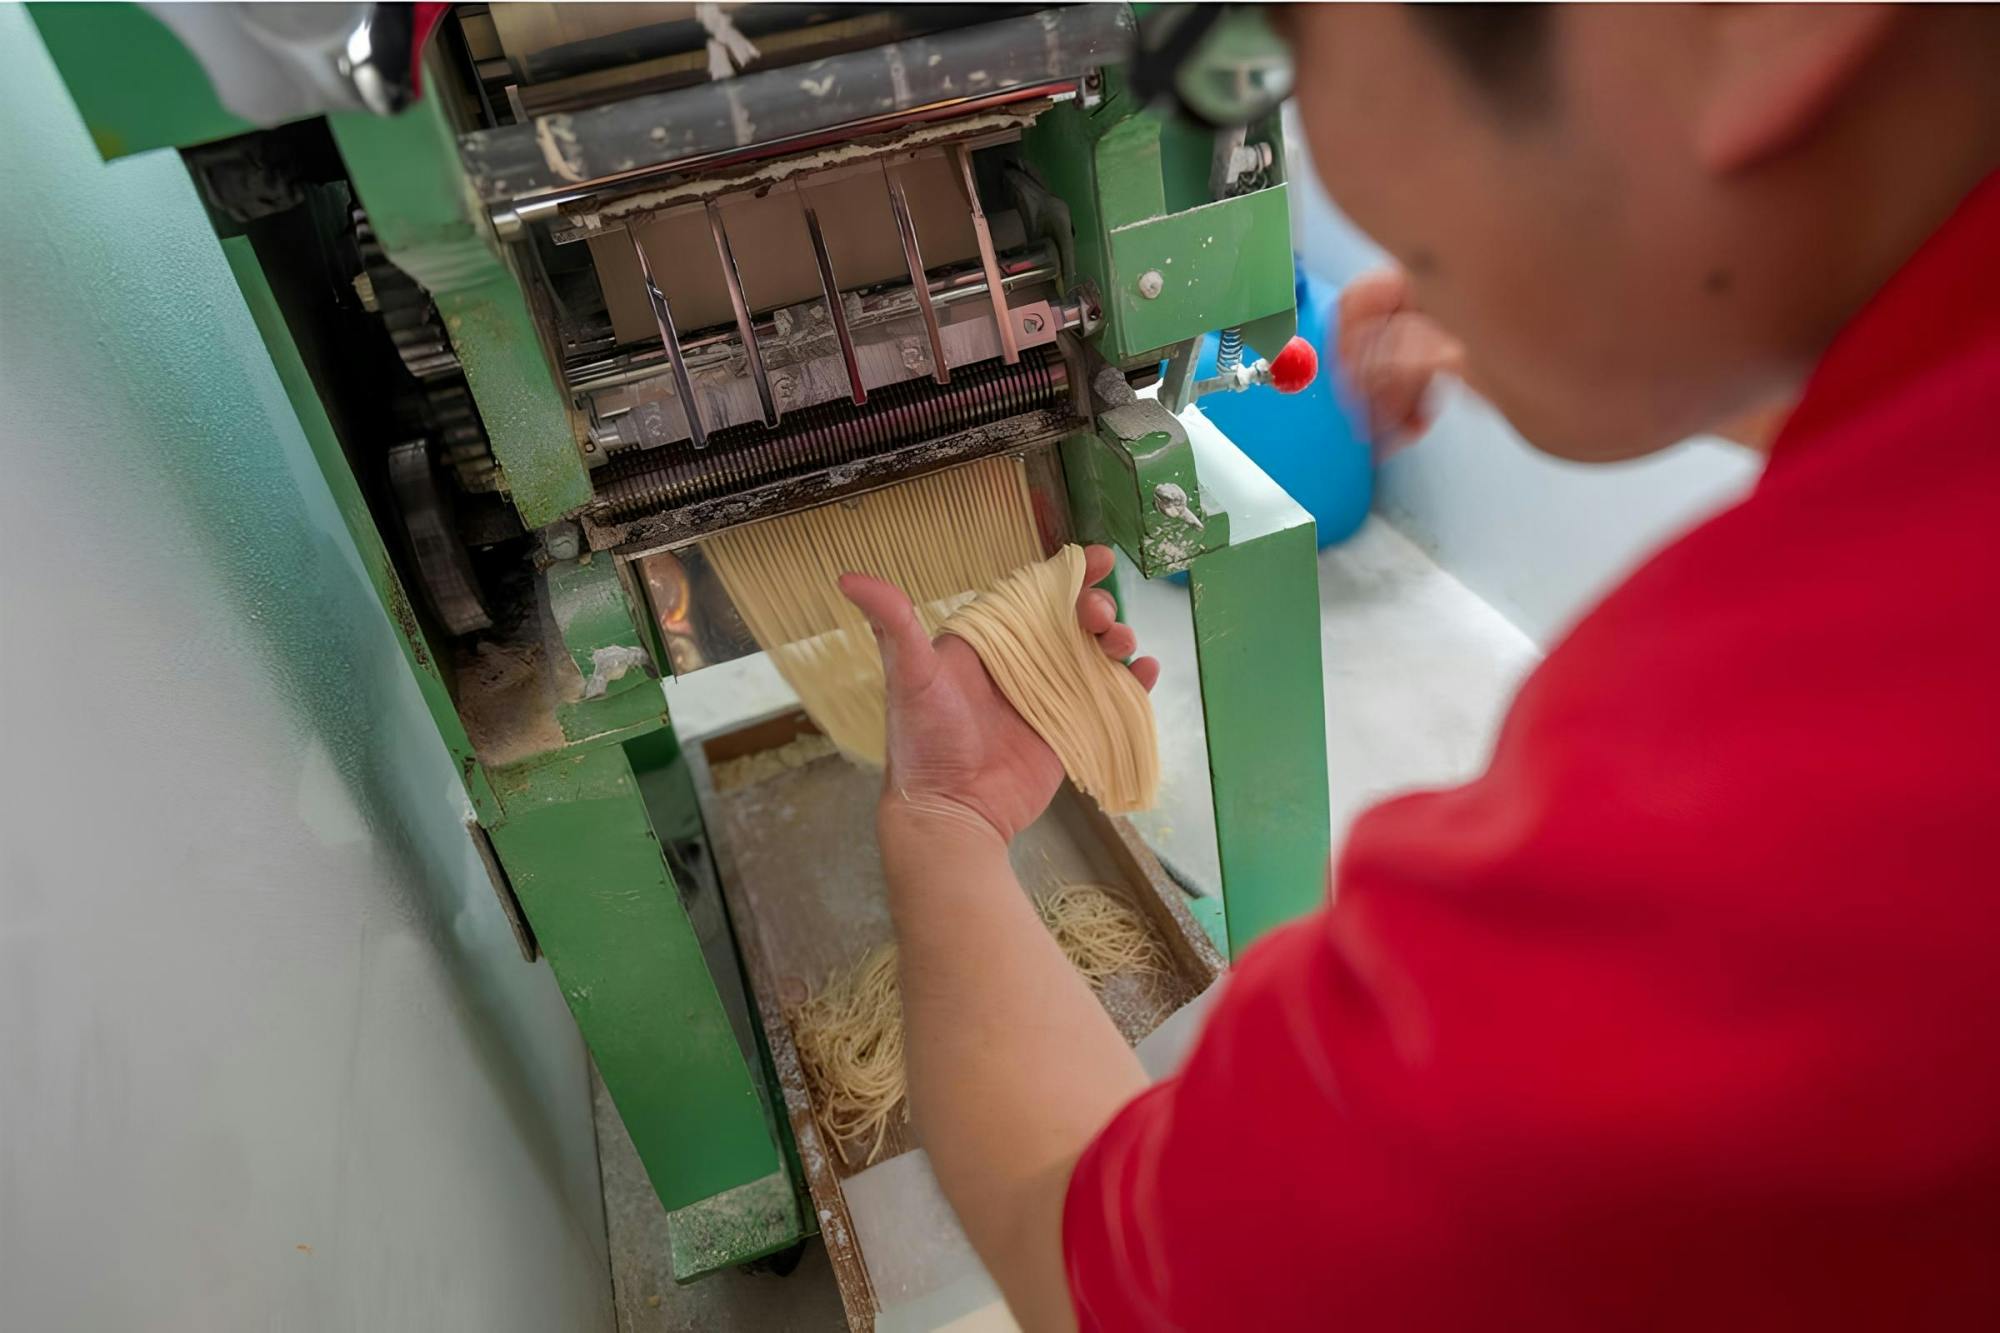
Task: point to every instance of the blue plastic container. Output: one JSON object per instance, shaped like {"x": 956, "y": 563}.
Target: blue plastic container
{"x": 1310, "y": 443}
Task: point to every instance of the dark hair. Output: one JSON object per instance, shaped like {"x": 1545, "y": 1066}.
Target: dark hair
{"x": 1502, "y": 47}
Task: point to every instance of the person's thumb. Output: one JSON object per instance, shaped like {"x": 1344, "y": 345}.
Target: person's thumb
{"x": 908, "y": 660}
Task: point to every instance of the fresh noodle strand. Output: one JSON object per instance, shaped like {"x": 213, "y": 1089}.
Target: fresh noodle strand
{"x": 849, "y": 1033}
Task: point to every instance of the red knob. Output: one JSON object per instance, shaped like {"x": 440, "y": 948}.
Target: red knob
{"x": 1294, "y": 368}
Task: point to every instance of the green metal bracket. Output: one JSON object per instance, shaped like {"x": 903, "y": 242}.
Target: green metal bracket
{"x": 621, "y": 696}
{"x": 407, "y": 172}
{"x": 1212, "y": 267}
{"x": 586, "y": 864}
{"x": 136, "y": 86}
{"x": 354, "y": 512}
{"x": 1169, "y": 264}
{"x": 592, "y": 613}
{"x": 1123, "y": 480}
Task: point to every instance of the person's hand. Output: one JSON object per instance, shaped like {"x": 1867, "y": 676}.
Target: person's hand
{"x": 957, "y": 750}
{"x": 1393, "y": 354}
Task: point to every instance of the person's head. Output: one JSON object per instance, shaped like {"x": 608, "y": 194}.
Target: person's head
{"x": 1643, "y": 220}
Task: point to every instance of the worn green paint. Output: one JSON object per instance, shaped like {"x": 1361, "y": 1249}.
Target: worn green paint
{"x": 407, "y": 173}
{"x": 616, "y": 718}
{"x": 593, "y": 616}
{"x": 734, "y": 1227}
{"x": 1112, "y": 475}
{"x": 1220, "y": 265}
{"x": 1257, "y": 650}
{"x": 747, "y": 1222}
{"x": 136, "y": 86}
{"x": 360, "y": 523}
{"x": 586, "y": 865}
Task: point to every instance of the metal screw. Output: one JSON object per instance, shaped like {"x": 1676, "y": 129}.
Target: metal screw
{"x": 912, "y": 358}
{"x": 1172, "y": 501}
{"x": 1031, "y": 323}
{"x": 783, "y": 386}
{"x": 1151, "y": 284}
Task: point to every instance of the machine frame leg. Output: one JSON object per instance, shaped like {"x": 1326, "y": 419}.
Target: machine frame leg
{"x": 582, "y": 855}
{"x": 1256, "y": 629}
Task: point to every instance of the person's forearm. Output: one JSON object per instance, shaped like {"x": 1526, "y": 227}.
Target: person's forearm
{"x": 1013, "y": 1064}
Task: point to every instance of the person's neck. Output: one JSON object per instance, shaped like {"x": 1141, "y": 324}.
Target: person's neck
{"x": 1887, "y": 174}
{"x": 1878, "y": 181}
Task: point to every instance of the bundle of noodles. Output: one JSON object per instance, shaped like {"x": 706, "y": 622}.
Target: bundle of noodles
{"x": 850, "y": 1032}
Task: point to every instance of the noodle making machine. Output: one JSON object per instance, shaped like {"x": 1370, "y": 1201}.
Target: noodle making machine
{"x": 556, "y": 291}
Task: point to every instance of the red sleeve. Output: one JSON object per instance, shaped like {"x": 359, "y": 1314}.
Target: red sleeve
{"x": 1685, "y": 1014}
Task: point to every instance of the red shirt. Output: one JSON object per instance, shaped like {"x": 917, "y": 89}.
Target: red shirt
{"x": 1686, "y": 1014}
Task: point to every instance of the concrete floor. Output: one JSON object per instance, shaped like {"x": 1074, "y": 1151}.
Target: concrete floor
{"x": 1418, "y": 674}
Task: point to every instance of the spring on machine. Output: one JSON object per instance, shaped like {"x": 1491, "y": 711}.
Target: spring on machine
{"x": 827, "y": 434}
{"x": 1229, "y": 350}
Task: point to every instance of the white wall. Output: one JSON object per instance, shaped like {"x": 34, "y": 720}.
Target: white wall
{"x": 268, "y": 1057}
{"x": 1537, "y": 538}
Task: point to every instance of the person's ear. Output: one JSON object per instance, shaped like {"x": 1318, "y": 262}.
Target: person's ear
{"x": 1779, "y": 69}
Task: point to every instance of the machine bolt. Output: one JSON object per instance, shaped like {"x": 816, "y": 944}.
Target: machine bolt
{"x": 1151, "y": 284}
{"x": 562, "y": 541}
{"x": 1172, "y": 501}
{"x": 1031, "y": 323}
{"x": 783, "y": 386}
{"x": 913, "y": 359}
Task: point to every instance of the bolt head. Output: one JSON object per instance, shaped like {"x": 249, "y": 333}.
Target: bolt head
{"x": 783, "y": 386}
{"x": 1031, "y": 323}
{"x": 1151, "y": 284}
{"x": 912, "y": 358}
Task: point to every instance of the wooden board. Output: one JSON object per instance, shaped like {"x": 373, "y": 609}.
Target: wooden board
{"x": 803, "y": 881}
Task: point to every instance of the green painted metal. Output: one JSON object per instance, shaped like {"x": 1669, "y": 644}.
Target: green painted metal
{"x": 615, "y": 718}
{"x": 597, "y": 625}
{"x": 734, "y": 1227}
{"x": 1135, "y": 184}
{"x": 1256, "y": 629}
{"x": 360, "y": 523}
{"x": 407, "y": 173}
{"x": 1113, "y": 475}
{"x": 585, "y": 862}
{"x": 1208, "y": 914}
{"x": 137, "y": 87}
{"x": 1219, "y": 265}
{"x": 743, "y": 1224}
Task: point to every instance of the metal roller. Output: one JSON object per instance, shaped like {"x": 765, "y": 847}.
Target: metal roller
{"x": 829, "y": 434}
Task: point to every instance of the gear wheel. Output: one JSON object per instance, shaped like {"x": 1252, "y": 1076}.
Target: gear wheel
{"x": 443, "y": 564}
{"x": 411, "y": 318}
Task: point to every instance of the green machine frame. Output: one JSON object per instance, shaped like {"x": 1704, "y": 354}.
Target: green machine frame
{"x": 580, "y": 822}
